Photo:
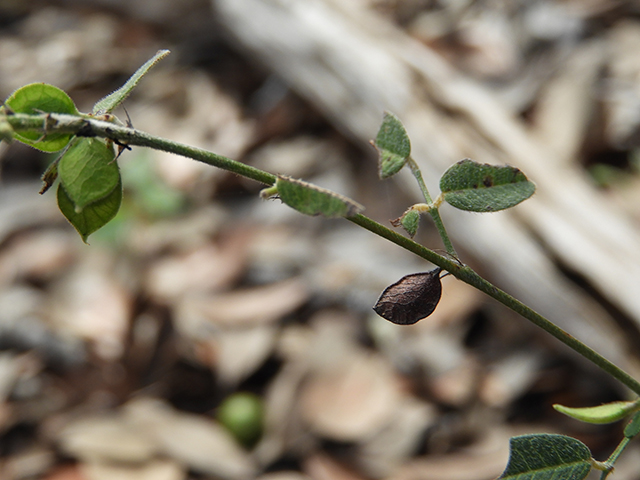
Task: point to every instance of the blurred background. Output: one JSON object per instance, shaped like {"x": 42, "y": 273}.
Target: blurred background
{"x": 207, "y": 334}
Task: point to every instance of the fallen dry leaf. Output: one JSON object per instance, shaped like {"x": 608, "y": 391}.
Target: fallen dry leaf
{"x": 198, "y": 442}
{"x": 509, "y": 378}
{"x": 323, "y": 467}
{"x": 458, "y": 385}
{"x": 153, "y": 470}
{"x": 67, "y": 472}
{"x": 380, "y": 455}
{"x": 352, "y": 402}
{"x": 33, "y": 463}
{"x": 241, "y": 308}
{"x": 237, "y": 353}
{"x": 205, "y": 268}
{"x": 91, "y": 304}
{"x": 487, "y": 459}
{"x": 109, "y": 438}
{"x": 37, "y": 256}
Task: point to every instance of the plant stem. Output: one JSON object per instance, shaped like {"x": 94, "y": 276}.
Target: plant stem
{"x": 90, "y": 127}
{"x": 630, "y": 433}
{"x": 87, "y": 126}
{"x": 468, "y": 275}
{"x": 614, "y": 457}
{"x": 435, "y": 214}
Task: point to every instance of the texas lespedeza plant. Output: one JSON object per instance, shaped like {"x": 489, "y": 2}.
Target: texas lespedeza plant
{"x": 89, "y": 195}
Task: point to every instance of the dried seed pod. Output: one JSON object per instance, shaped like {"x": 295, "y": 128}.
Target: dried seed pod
{"x": 411, "y": 298}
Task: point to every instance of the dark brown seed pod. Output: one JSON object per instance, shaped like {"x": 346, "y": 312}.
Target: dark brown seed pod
{"x": 411, "y": 298}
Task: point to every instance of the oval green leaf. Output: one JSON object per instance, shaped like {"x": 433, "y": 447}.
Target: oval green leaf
{"x": 313, "y": 200}
{"x": 88, "y": 171}
{"x": 93, "y": 216}
{"x": 607, "y": 413}
{"x": 477, "y": 187}
{"x": 547, "y": 457}
{"x": 393, "y": 145}
{"x": 37, "y": 98}
{"x": 111, "y": 101}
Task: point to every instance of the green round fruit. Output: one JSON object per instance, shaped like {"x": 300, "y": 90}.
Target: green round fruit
{"x": 242, "y": 414}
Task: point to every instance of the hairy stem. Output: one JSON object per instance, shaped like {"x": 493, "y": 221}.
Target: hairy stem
{"x": 613, "y": 458}
{"x": 472, "y": 278}
{"x": 87, "y": 126}
{"x": 630, "y": 432}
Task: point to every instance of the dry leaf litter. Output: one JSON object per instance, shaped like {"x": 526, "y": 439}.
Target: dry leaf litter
{"x": 116, "y": 357}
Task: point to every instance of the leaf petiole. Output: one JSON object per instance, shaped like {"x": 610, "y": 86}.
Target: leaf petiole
{"x": 435, "y": 214}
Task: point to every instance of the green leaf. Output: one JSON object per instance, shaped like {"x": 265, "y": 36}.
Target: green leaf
{"x": 37, "y": 98}
{"x": 313, "y": 200}
{"x": 88, "y": 171}
{"x": 111, "y": 101}
{"x": 409, "y": 221}
{"x": 393, "y": 145}
{"x": 607, "y": 413}
{"x": 477, "y": 187}
{"x": 547, "y": 457}
{"x": 93, "y": 216}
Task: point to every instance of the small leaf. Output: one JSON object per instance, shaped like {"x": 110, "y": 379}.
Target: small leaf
{"x": 547, "y": 457}
{"x": 393, "y": 145}
{"x": 111, "y": 101}
{"x": 313, "y": 200}
{"x": 633, "y": 427}
{"x": 411, "y": 298}
{"x": 409, "y": 221}
{"x": 477, "y": 187}
{"x": 88, "y": 171}
{"x": 93, "y": 216}
{"x": 607, "y": 413}
{"x": 37, "y": 98}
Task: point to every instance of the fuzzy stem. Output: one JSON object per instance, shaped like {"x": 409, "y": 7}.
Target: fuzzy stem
{"x": 90, "y": 127}
{"x": 87, "y": 126}
{"x": 607, "y": 466}
{"x": 613, "y": 458}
